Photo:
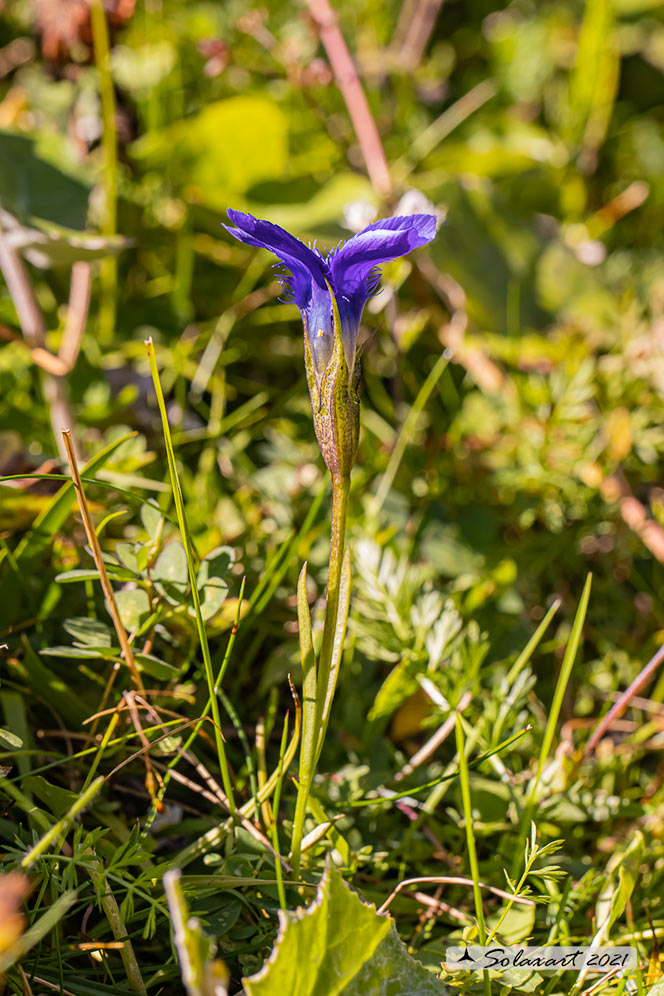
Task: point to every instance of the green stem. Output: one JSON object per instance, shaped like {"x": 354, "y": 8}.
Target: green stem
{"x": 109, "y": 142}
{"x": 571, "y": 651}
{"x": 470, "y": 840}
{"x": 309, "y": 708}
{"x": 317, "y": 702}
{"x": 62, "y": 825}
{"x": 340, "y": 490}
{"x": 275, "y": 822}
{"x": 109, "y": 904}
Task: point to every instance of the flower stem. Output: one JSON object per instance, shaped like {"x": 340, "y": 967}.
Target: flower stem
{"x": 340, "y": 489}
{"x": 316, "y": 680}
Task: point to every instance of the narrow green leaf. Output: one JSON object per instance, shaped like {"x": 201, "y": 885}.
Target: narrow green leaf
{"x": 337, "y": 647}
{"x": 35, "y": 674}
{"x": 115, "y": 573}
{"x": 77, "y": 653}
{"x": 37, "y": 931}
{"x": 337, "y": 838}
{"x": 309, "y": 717}
{"x": 55, "y": 514}
{"x": 9, "y": 739}
{"x": 308, "y": 660}
{"x": 565, "y": 672}
{"x": 76, "y": 806}
{"x": 201, "y": 973}
{"x": 191, "y": 570}
{"x": 57, "y": 798}
{"x": 615, "y": 894}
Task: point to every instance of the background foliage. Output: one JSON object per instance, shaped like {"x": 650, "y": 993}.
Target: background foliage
{"x": 530, "y": 459}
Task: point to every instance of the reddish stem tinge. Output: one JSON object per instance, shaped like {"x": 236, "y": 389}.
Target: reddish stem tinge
{"x": 349, "y": 84}
{"x": 619, "y": 707}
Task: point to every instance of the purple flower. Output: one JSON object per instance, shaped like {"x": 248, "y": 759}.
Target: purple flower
{"x": 349, "y": 272}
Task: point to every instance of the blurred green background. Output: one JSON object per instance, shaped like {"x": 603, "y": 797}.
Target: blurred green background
{"x": 534, "y": 130}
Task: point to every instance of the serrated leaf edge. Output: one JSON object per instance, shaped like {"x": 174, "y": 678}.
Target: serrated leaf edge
{"x": 293, "y": 916}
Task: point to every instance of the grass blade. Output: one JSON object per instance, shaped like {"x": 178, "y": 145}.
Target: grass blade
{"x": 186, "y": 539}
{"x": 563, "y": 678}
{"x": 470, "y": 839}
{"x": 309, "y": 692}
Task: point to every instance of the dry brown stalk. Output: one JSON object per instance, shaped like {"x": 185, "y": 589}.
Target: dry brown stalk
{"x": 107, "y": 588}
{"x": 130, "y": 699}
{"x": 434, "y": 742}
{"x": 451, "y": 880}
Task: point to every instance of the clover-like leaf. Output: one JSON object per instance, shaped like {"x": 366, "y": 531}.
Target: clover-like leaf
{"x": 171, "y": 572}
{"x": 340, "y": 946}
{"x": 133, "y": 605}
{"x": 211, "y": 580}
{"x": 216, "y": 563}
{"x": 126, "y": 554}
{"x": 151, "y": 518}
{"x": 89, "y": 632}
{"x": 155, "y": 667}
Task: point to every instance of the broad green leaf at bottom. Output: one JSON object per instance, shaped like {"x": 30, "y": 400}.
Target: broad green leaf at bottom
{"x": 339, "y": 946}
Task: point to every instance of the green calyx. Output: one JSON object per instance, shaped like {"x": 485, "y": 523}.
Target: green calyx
{"x": 335, "y": 403}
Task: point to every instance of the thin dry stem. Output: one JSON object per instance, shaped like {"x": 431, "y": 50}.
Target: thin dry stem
{"x": 434, "y": 742}
{"x": 451, "y": 880}
{"x": 131, "y": 698}
{"x": 111, "y": 605}
{"x": 643, "y": 677}
{"x": 18, "y": 283}
{"x": 52, "y": 985}
{"x": 436, "y": 906}
{"x": 215, "y": 794}
{"x": 25, "y": 982}
{"x": 419, "y": 31}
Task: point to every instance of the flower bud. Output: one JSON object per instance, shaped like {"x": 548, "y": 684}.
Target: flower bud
{"x": 335, "y": 402}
